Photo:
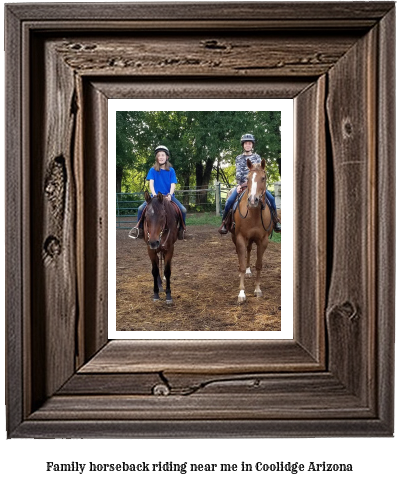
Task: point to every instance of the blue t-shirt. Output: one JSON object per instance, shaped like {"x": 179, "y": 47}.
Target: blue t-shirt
{"x": 162, "y": 179}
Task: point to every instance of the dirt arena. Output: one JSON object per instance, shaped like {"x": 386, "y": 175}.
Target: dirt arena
{"x": 204, "y": 286}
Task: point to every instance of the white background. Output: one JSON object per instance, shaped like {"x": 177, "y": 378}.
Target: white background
{"x": 286, "y": 107}
{"x": 374, "y": 460}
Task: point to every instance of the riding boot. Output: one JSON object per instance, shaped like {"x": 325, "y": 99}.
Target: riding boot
{"x": 180, "y": 235}
{"x": 276, "y": 221}
{"x": 223, "y": 229}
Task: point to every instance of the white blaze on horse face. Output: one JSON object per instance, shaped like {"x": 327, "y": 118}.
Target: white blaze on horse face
{"x": 253, "y": 188}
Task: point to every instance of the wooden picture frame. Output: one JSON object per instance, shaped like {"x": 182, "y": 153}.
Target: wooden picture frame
{"x": 335, "y": 378}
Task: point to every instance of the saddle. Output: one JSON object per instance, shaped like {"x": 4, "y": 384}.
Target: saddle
{"x": 230, "y": 224}
{"x": 178, "y": 213}
{"x": 180, "y": 219}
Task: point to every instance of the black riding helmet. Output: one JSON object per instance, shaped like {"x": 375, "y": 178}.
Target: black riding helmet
{"x": 162, "y": 148}
{"x": 248, "y": 138}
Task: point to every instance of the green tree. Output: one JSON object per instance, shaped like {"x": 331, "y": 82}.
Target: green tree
{"x": 201, "y": 142}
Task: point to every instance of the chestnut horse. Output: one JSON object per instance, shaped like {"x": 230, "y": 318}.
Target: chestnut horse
{"x": 253, "y": 223}
{"x": 160, "y": 234}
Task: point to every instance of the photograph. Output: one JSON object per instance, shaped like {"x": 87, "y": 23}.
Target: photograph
{"x": 198, "y": 215}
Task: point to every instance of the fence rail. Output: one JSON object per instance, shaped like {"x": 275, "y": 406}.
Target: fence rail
{"x": 210, "y": 200}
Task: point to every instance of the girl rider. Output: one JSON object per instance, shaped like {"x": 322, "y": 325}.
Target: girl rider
{"x": 248, "y": 143}
{"x": 162, "y": 178}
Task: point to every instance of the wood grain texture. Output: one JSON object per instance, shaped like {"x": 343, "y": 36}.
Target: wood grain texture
{"x": 335, "y": 377}
{"x": 53, "y": 221}
{"x": 200, "y": 356}
{"x": 191, "y": 428}
{"x": 207, "y": 11}
{"x": 184, "y": 384}
{"x": 208, "y": 407}
{"x": 95, "y": 182}
{"x": 204, "y": 55}
{"x": 385, "y": 245}
{"x": 177, "y": 87}
{"x": 351, "y": 306}
{"x": 310, "y": 230}
{"x": 15, "y": 205}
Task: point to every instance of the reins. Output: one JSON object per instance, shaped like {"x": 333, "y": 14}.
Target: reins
{"x": 271, "y": 220}
{"x": 239, "y": 201}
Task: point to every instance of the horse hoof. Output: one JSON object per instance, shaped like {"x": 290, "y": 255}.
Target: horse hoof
{"x": 248, "y": 273}
{"x": 169, "y": 300}
{"x": 241, "y": 297}
{"x": 258, "y": 294}
{"x": 155, "y": 298}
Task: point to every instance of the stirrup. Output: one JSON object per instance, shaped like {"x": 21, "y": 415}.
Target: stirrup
{"x": 277, "y": 227}
{"x": 223, "y": 229}
{"x": 134, "y": 233}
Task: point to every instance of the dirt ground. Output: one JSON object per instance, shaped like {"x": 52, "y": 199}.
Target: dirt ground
{"x": 204, "y": 286}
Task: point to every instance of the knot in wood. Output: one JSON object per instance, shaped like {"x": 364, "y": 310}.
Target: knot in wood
{"x": 161, "y": 390}
{"x": 347, "y": 128}
{"x": 50, "y": 188}
{"x": 52, "y": 246}
{"x": 213, "y": 44}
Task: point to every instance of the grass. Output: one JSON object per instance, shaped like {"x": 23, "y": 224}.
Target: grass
{"x": 211, "y": 219}
{"x": 276, "y": 237}
{"x": 203, "y": 219}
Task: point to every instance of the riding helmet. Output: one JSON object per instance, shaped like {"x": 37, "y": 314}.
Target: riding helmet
{"x": 162, "y": 148}
{"x": 248, "y": 138}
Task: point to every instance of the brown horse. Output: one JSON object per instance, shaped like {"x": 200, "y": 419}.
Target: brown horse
{"x": 160, "y": 234}
{"x": 253, "y": 223}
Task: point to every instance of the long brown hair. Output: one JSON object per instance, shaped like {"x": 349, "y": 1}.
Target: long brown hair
{"x": 167, "y": 165}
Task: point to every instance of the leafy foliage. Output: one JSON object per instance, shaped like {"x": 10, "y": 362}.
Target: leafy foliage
{"x": 203, "y": 144}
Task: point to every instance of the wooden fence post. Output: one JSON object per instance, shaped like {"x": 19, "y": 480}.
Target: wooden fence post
{"x": 217, "y": 197}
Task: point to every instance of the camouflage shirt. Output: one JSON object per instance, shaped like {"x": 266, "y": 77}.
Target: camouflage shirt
{"x": 242, "y": 168}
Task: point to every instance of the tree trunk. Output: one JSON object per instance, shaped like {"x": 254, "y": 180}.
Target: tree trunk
{"x": 119, "y": 175}
{"x": 203, "y": 175}
{"x": 186, "y": 196}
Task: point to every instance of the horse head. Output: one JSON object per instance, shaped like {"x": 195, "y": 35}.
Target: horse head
{"x": 155, "y": 220}
{"x": 256, "y": 183}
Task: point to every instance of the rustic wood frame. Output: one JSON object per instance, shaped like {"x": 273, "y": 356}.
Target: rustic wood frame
{"x": 336, "y": 376}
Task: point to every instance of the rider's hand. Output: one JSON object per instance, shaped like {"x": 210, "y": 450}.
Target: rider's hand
{"x": 169, "y": 197}
{"x": 239, "y": 189}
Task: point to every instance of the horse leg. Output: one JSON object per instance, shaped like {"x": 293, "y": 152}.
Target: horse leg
{"x": 155, "y": 274}
{"x": 261, "y": 247}
{"x": 248, "y": 272}
{"x": 241, "y": 248}
{"x": 159, "y": 280}
{"x": 168, "y": 272}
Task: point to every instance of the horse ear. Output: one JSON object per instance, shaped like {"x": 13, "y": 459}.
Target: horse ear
{"x": 160, "y": 196}
{"x": 147, "y": 196}
{"x": 263, "y": 163}
{"x": 249, "y": 163}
